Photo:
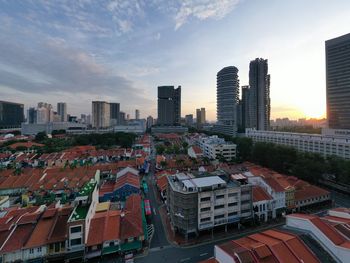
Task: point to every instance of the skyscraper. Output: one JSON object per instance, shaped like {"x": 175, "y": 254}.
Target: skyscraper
{"x": 62, "y": 111}
{"x": 137, "y": 114}
{"x": 338, "y": 82}
{"x": 227, "y": 90}
{"x": 189, "y": 119}
{"x": 169, "y": 105}
{"x": 245, "y": 107}
{"x": 149, "y": 122}
{"x": 114, "y": 113}
{"x": 259, "y": 94}
{"x": 200, "y": 117}
{"x": 100, "y": 114}
{"x": 11, "y": 114}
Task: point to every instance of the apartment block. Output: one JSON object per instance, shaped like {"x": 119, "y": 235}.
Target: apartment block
{"x": 201, "y": 203}
{"x": 213, "y": 147}
{"x": 324, "y": 144}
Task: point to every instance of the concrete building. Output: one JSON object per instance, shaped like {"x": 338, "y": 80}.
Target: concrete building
{"x": 62, "y": 111}
{"x": 149, "y": 122}
{"x": 259, "y": 95}
{"x": 137, "y": 114}
{"x": 245, "y": 107}
{"x": 213, "y": 147}
{"x": 169, "y": 129}
{"x": 114, "y": 113}
{"x": 122, "y": 119}
{"x": 200, "y": 117}
{"x": 11, "y": 114}
{"x": 202, "y": 203}
{"x": 227, "y": 91}
{"x": 169, "y": 105}
{"x": 34, "y": 128}
{"x": 189, "y": 119}
{"x": 338, "y": 82}
{"x": 324, "y": 144}
{"x": 100, "y": 114}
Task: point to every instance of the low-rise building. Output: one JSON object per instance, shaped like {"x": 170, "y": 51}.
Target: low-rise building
{"x": 202, "y": 203}
{"x": 214, "y": 147}
{"x": 195, "y": 152}
{"x": 324, "y": 144}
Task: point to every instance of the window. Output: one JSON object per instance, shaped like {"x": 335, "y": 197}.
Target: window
{"x": 111, "y": 244}
{"x": 219, "y": 216}
{"x": 219, "y": 206}
{"x": 75, "y": 229}
{"x": 38, "y": 249}
{"x": 232, "y": 204}
{"x": 204, "y": 199}
{"x": 220, "y": 196}
{"x": 232, "y": 195}
{"x": 204, "y": 209}
{"x": 205, "y": 219}
{"x": 31, "y": 251}
{"x": 75, "y": 242}
{"x": 232, "y": 214}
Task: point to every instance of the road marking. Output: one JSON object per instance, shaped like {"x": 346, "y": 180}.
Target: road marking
{"x": 203, "y": 254}
{"x": 154, "y": 211}
{"x": 185, "y": 259}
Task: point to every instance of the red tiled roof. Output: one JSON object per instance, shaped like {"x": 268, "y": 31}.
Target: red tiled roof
{"x": 128, "y": 178}
{"x": 259, "y": 194}
{"x": 309, "y": 191}
{"x": 274, "y": 184}
{"x": 162, "y": 183}
{"x": 196, "y": 149}
{"x": 26, "y": 145}
{"x": 328, "y": 231}
{"x": 131, "y": 223}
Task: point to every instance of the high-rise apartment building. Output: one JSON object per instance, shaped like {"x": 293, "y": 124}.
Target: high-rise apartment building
{"x": 200, "y": 117}
{"x": 137, "y": 114}
{"x": 245, "y": 107}
{"x": 31, "y": 115}
{"x": 189, "y": 119}
{"x": 149, "y": 122}
{"x": 11, "y": 114}
{"x": 169, "y": 105}
{"x": 122, "y": 118}
{"x": 62, "y": 111}
{"x": 259, "y": 94}
{"x": 227, "y": 91}
{"x": 100, "y": 114}
{"x": 338, "y": 82}
{"x": 114, "y": 113}
{"x": 44, "y": 113}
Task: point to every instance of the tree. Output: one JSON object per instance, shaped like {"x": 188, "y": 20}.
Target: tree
{"x": 164, "y": 164}
{"x": 244, "y": 148}
{"x": 40, "y": 136}
{"x": 160, "y": 148}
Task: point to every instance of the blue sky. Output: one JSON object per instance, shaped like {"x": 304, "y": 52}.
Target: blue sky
{"x": 83, "y": 50}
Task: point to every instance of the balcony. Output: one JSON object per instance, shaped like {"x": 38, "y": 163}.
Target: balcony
{"x": 220, "y": 221}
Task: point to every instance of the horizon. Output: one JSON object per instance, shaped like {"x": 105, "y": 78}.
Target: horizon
{"x": 81, "y": 51}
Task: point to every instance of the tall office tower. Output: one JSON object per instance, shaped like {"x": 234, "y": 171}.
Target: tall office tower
{"x": 169, "y": 105}
{"x": 114, "y": 113}
{"x": 245, "y": 107}
{"x": 189, "y": 119}
{"x": 11, "y": 114}
{"x": 31, "y": 115}
{"x": 259, "y": 106}
{"x": 62, "y": 111}
{"x": 100, "y": 114}
{"x": 338, "y": 82}
{"x": 203, "y": 118}
{"x": 122, "y": 120}
{"x": 227, "y": 91}
{"x": 149, "y": 122}
{"x": 137, "y": 114}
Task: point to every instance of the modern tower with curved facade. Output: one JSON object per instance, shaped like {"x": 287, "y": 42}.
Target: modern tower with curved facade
{"x": 227, "y": 91}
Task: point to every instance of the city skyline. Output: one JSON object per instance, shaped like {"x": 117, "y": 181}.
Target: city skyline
{"x": 79, "y": 52}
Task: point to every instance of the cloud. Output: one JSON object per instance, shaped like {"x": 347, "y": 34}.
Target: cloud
{"x": 51, "y": 66}
{"x": 203, "y": 9}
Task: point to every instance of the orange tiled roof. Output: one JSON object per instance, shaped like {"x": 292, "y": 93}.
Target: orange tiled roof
{"x": 259, "y": 194}
{"x": 26, "y": 145}
{"x": 131, "y": 223}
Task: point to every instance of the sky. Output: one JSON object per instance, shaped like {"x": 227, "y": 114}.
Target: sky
{"x": 121, "y": 50}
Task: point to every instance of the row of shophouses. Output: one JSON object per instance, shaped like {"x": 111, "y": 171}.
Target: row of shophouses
{"x": 233, "y": 195}
{"x": 95, "y": 223}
